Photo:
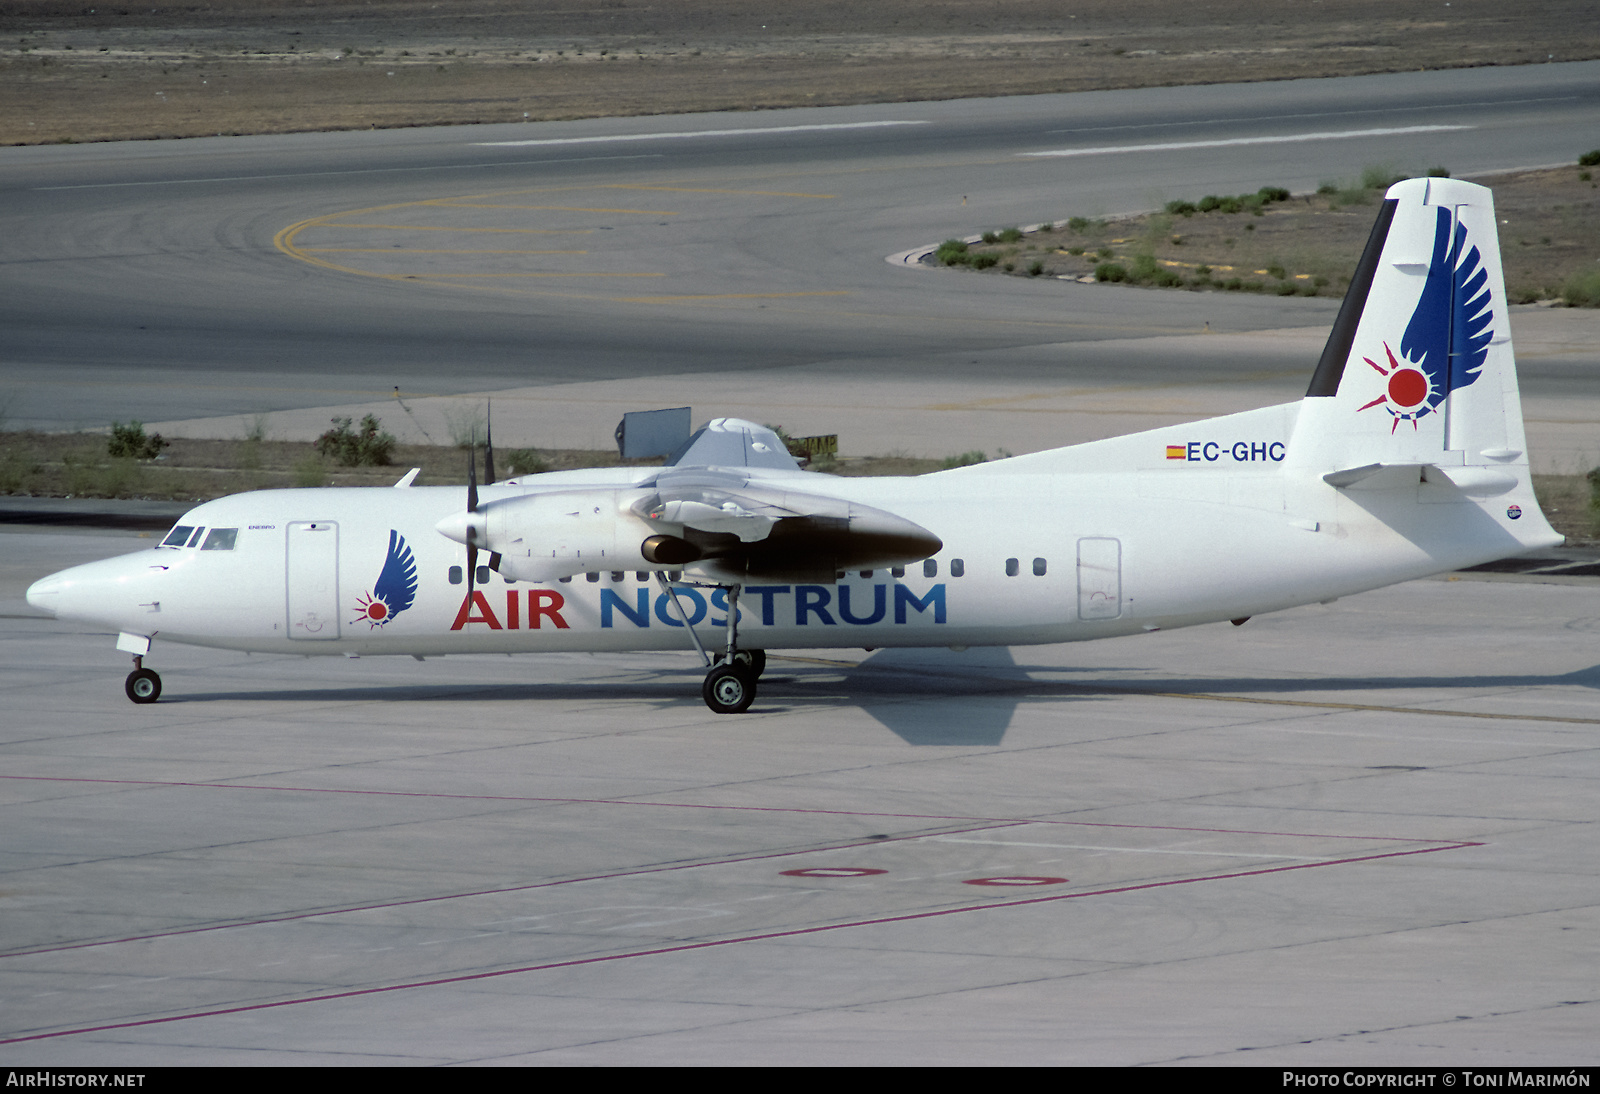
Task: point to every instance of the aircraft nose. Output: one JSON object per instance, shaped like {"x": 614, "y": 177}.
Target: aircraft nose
{"x": 45, "y": 593}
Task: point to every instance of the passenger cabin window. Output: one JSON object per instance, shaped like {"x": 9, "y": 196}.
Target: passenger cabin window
{"x": 220, "y": 539}
{"x": 1012, "y": 567}
{"x": 958, "y": 567}
{"x": 1038, "y": 567}
{"x": 178, "y": 536}
{"x": 930, "y": 567}
{"x": 455, "y": 575}
{"x": 898, "y": 571}
{"x": 483, "y": 575}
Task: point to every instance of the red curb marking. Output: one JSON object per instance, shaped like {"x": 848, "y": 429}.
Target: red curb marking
{"x": 832, "y": 871}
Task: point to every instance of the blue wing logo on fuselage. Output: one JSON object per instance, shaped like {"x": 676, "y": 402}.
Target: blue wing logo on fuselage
{"x": 1446, "y": 343}
{"x": 395, "y": 588}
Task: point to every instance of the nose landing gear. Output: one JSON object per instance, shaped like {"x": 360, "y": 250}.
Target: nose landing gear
{"x": 142, "y": 685}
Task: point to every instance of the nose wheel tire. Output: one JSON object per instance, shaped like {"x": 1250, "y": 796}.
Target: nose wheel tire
{"x": 143, "y": 686}
{"x": 729, "y": 689}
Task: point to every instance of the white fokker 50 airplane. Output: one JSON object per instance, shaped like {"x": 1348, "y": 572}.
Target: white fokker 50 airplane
{"x": 1405, "y": 458}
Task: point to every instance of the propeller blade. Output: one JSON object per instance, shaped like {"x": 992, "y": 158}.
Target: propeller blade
{"x": 488, "y": 443}
{"x": 472, "y": 507}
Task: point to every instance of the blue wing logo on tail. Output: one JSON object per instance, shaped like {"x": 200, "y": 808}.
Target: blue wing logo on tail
{"x": 395, "y": 588}
{"x": 1446, "y": 343}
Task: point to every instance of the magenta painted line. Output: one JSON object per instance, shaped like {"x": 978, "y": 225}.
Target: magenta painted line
{"x": 697, "y": 805}
{"x": 741, "y": 940}
{"x": 348, "y": 909}
{"x": 979, "y": 824}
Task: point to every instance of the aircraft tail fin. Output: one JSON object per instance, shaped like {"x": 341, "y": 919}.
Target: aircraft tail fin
{"x": 1418, "y": 378}
{"x": 1419, "y": 368}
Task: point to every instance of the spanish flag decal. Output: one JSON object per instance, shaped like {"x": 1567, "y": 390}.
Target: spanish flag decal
{"x": 1177, "y": 452}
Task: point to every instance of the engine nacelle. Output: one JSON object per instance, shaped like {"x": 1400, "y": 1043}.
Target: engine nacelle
{"x": 542, "y": 537}
{"x": 724, "y": 528}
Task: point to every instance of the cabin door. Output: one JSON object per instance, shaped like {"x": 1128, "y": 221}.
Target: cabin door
{"x": 312, "y": 580}
{"x": 1099, "y": 578}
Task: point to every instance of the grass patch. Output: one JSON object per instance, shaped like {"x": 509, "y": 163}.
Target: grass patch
{"x": 310, "y": 471}
{"x": 368, "y": 446}
{"x": 1571, "y": 504}
{"x": 1582, "y": 290}
{"x": 525, "y": 461}
{"x": 114, "y": 478}
{"x": 129, "y": 441}
{"x": 76, "y": 464}
{"x": 1308, "y": 245}
{"x": 465, "y": 423}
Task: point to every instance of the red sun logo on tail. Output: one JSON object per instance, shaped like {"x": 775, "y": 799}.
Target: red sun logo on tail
{"x": 1406, "y": 394}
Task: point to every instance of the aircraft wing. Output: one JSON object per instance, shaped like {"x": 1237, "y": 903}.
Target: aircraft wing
{"x": 730, "y": 506}
{"x": 726, "y": 495}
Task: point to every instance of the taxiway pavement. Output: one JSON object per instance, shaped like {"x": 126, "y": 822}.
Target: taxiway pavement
{"x": 1350, "y": 834}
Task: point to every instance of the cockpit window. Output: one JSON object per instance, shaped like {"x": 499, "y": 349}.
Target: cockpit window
{"x": 178, "y": 536}
{"x": 194, "y": 540}
{"x": 220, "y": 539}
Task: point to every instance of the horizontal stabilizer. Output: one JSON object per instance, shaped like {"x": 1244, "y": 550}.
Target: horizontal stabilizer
{"x": 1476, "y": 481}
{"x": 1349, "y": 476}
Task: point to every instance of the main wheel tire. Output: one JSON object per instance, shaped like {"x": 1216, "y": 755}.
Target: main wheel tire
{"x": 754, "y": 661}
{"x": 729, "y": 689}
{"x": 143, "y": 686}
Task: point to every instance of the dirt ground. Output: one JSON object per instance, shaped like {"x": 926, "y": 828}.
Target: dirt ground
{"x": 1309, "y": 244}
{"x": 74, "y": 72}
{"x": 79, "y": 465}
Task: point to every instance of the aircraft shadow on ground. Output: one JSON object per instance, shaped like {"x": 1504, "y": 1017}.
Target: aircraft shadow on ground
{"x": 924, "y": 697}
{"x": 1586, "y": 678}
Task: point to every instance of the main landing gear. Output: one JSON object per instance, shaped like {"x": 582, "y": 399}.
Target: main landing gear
{"x": 729, "y": 689}
{"x": 142, "y": 685}
{"x": 730, "y": 686}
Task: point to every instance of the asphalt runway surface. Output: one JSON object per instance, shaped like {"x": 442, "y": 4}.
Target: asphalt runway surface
{"x": 1353, "y": 834}
{"x": 192, "y": 279}
{"x": 1357, "y": 833}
